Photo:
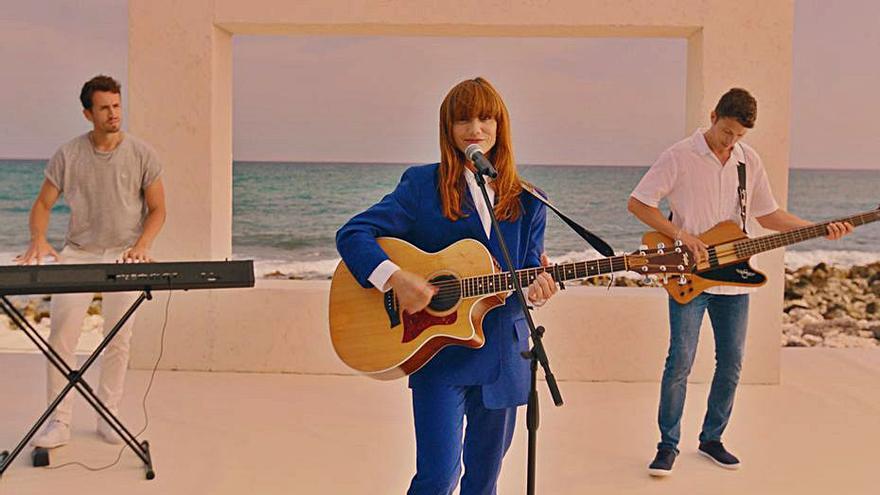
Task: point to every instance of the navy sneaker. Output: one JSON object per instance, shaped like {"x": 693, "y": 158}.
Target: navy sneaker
{"x": 662, "y": 464}
{"x": 715, "y": 450}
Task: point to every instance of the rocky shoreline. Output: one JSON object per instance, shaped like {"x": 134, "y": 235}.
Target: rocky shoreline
{"x": 832, "y": 306}
{"x": 825, "y": 305}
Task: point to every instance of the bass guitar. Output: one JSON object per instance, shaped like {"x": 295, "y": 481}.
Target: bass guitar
{"x": 730, "y": 251}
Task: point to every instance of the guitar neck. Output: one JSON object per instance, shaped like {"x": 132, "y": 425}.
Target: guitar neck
{"x": 750, "y": 247}
{"x": 503, "y": 282}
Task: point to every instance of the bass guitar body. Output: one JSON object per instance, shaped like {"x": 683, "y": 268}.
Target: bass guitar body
{"x": 724, "y": 266}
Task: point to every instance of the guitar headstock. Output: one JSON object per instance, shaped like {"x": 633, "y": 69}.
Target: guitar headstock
{"x": 662, "y": 261}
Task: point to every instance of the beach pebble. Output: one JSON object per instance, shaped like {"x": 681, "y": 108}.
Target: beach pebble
{"x": 792, "y": 329}
{"x": 840, "y": 341}
{"x": 794, "y": 341}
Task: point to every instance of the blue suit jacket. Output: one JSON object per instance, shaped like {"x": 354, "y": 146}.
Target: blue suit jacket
{"x": 412, "y": 212}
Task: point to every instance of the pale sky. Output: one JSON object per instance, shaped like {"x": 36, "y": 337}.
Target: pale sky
{"x": 375, "y": 99}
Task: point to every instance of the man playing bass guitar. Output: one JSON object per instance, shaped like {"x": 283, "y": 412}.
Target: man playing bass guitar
{"x": 708, "y": 178}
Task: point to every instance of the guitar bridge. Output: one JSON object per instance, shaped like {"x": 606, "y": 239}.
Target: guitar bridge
{"x": 392, "y": 309}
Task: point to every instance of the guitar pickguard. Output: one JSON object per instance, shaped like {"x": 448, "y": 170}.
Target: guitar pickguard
{"x": 415, "y": 324}
{"x": 738, "y": 273}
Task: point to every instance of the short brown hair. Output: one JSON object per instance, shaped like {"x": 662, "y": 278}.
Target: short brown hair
{"x": 97, "y": 83}
{"x": 740, "y": 105}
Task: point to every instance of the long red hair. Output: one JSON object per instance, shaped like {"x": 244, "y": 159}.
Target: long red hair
{"x": 476, "y": 98}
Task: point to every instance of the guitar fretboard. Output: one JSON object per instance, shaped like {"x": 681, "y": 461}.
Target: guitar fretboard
{"x": 750, "y": 247}
{"x": 503, "y": 282}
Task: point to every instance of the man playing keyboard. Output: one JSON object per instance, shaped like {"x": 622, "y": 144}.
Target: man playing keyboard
{"x": 110, "y": 180}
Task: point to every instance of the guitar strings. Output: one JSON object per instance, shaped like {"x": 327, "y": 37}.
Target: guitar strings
{"x": 454, "y": 288}
{"x": 459, "y": 284}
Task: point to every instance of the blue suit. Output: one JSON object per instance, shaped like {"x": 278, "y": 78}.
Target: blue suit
{"x": 485, "y": 384}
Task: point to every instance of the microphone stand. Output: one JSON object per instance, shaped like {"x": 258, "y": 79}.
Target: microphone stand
{"x": 536, "y": 354}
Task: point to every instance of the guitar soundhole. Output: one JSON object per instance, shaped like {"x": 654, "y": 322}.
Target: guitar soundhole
{"x": 448, "y": 293}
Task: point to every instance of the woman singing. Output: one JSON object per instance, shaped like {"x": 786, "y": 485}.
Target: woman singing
{"x": 432, "y": 207}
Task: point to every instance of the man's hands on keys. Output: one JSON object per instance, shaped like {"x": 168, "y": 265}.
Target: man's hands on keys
{"x": 136, "y": 254}
{"x": 35, "y": 253}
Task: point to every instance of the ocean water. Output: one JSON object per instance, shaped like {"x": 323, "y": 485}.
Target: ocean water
{"x": 285, "y": 215}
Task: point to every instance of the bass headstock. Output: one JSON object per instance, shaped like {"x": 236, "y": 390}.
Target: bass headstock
{"x": 661, "y": 262}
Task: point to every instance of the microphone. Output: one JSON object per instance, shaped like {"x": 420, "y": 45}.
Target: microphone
{"x": 484, "y": 166}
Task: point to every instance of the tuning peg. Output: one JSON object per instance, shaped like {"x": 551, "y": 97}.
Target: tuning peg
{"x": 678, "y": 243}
{"x": 645, "y": 268}
{"x": 662, "y": 268}
{"x": 682, "y": 280}
{"x": 642, "y": 249}
{"x": 660, "y": 245}
{"x": 681, "y": 268}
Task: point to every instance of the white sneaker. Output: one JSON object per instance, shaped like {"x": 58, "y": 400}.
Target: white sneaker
{"x": 55, "y": 434}
{"x": 106, "y": 432}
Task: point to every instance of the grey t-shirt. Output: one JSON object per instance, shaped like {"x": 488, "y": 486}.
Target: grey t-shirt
{"x": 105, "y": 190}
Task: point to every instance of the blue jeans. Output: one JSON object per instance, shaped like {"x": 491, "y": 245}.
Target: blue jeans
{"x": 729, "y": 316}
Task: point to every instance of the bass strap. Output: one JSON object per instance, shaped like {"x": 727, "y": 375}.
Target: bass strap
{"x": 741, "y": 189}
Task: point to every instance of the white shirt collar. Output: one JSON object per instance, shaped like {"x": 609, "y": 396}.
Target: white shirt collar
{"x": 479, "y": 203}
{"x": 702, "y": 147}
{"x": 470, "y": 176}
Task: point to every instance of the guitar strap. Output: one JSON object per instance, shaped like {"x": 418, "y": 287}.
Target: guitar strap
{"x": 741, "y": 188}
{"x": 592, "y": 239}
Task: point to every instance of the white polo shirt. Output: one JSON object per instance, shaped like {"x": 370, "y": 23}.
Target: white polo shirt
{"x": 702, "y": 192}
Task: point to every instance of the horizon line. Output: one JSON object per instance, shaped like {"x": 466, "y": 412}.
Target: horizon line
{"x": 369, "y": 163}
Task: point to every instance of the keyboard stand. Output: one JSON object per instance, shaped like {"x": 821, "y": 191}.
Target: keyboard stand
{"x": 75, "y": 379}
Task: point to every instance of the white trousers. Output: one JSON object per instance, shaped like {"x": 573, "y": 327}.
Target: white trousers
{"x": 67, "y": 313}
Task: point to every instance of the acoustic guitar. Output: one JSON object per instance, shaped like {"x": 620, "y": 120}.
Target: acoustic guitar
{"x": 730, "y": 251}
{"x": 371, "y": 333}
